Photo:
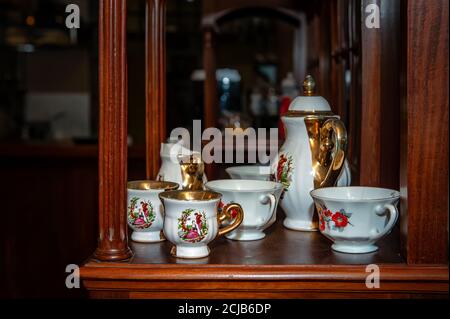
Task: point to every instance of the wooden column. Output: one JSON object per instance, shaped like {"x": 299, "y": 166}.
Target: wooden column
{"x": 155, "y": 83}
{"x": 424, "y": 156}
{"x": 354, "y": 107}
{"x": 380, "y": 100}
{"x": 211, "y": 107}
{"x": 339, "y": 50}
{"x": 371, "y": 99}
{"x": 113, "y": 239}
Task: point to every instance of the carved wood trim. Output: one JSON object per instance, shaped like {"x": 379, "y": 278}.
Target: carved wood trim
{"x": 262, "y": 281}
{"x": 178, "y": 272}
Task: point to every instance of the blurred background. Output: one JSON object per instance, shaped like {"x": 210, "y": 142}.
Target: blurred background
{"x": 49, "y": 106}
{"x": 48, "y": 75}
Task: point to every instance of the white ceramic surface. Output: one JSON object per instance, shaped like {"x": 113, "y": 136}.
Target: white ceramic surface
{"x": 345, "y": 178}
{"x": 145, "y": 214}
{"x": 190, "y": 223}
{"x": 354, "y": 218}
{"x": 309, "y": 103}
{"x": 259, "y": 200}
{"x": 252, "y": 172}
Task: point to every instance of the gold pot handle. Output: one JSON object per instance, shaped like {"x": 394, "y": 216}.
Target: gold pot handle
{"x": 332, "y": 154}
{"x": 225, "y": 214}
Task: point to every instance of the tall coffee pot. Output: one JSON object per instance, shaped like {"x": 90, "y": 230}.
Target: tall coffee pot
{"x": 312, "y": 156}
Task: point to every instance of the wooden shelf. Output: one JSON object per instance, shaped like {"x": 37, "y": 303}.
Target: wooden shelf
{"x": 280, "y": 247}
{"x": 284, "y": 264}
{"x": 175, "y": 281}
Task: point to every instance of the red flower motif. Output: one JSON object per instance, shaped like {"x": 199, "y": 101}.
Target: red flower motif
{"x": 322, "y": 223}
{"x": 339, "y": 219}
{"x": 279, "y": 172}
{"x": 327, "y": 212}
{"x": 145, "y": 208}
{"x": 281, "y": 162}
{"x": 198, "y": 220}
{"x": 234, "y": 213}
{"x": 139, "y": 221}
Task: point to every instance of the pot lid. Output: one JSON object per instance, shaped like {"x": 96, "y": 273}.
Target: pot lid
{"x": 309, "y": 102}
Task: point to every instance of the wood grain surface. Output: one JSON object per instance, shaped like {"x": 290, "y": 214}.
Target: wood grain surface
{"x": 425, "y": 134}
{"x": 280, "y": 247}
{"x": 113, "y": 237}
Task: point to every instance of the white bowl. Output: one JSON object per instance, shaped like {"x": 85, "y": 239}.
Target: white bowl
{"x": 252, "y": 172}
{"x": 354, "y": 218}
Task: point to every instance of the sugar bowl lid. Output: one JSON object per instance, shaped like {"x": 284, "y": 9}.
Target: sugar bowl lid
{"x": 309, "y": 102}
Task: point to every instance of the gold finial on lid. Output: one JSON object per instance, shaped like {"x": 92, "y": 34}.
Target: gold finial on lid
{"x": 309, "y": 86}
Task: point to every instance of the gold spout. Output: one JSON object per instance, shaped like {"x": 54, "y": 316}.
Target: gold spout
{"x": 309, "y": 86}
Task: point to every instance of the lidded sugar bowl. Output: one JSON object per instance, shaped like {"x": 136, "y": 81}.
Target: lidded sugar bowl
{"x": 312, "y": 156}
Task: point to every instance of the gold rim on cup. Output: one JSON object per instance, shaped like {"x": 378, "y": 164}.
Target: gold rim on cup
{"x": 186, "y": 195}
{"x": 144, "y": 185}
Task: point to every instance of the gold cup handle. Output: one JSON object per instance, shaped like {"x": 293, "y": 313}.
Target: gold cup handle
{"x": 335, "y": 158}
{"x": 227, "y": 215}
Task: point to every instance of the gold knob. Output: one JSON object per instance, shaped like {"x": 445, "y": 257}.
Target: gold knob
{"x": 309, "y": 86}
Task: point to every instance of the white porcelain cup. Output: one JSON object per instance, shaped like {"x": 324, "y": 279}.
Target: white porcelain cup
{"x": 354, "y": 218}
{"x": 253, "y": 172}
{"x": 259, "y": 199}
{"x": 145, "y": 210}
{"x": 192, "y": 220}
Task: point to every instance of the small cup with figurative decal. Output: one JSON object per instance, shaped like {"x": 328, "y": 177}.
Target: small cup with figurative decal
{"x": 259, "y": 199}
{"x": 192, "y": 221}
{"x": 355, "y": 218}
{"x": 145, "y": 213}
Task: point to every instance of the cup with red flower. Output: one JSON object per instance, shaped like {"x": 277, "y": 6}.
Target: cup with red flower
{"x": 355, "y": 217}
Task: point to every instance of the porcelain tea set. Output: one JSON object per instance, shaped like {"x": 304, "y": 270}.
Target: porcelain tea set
{"x": 310, "y": 177}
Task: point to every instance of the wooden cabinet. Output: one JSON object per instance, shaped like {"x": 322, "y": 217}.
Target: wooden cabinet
{"x": 413, "y": 260}
{"x": 49, "y": 214}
